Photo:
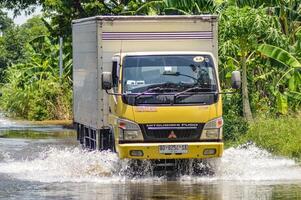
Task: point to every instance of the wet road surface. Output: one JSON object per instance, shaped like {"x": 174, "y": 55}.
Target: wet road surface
{"x": 45, "y": 162}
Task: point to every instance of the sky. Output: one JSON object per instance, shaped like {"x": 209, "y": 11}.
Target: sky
{"x": 23, "y": 18}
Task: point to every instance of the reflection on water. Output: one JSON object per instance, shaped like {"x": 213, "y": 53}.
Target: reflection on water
{"x": 25, "y": 129}
{"x": 147, "y": 190}
{"x": 47, "y": 163}
{"x": 37, "y": 134}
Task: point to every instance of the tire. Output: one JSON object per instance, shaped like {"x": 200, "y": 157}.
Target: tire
{"x": 112, "y": 146}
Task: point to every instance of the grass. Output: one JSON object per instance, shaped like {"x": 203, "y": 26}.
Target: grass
{"x": 280, "y": 136}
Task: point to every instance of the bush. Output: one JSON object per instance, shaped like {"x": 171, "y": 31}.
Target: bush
{"x": 234, "y": 124}
{"x": 33, "y": 89}
{"x": 280, "y": 136}
{"x": 35, "y": 93}
{"x": 234, "y": 127}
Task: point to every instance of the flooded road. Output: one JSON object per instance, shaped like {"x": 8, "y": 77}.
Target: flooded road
{"x": 45, "y": 162}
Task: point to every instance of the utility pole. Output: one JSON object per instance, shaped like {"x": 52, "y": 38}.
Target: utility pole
{"x": 61, "y": 57}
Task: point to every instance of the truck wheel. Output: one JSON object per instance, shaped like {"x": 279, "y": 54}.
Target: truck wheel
{"x": 112, "y": 146}
{"x": 107, "y": 141}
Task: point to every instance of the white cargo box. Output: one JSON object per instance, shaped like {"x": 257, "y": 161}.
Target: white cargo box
{"x": 95, "y": 40}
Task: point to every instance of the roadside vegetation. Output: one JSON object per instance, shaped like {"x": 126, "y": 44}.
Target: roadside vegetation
{"x": 31, "y": 87}
{"x": 280, "y": 135}
{"x": 261, "y": 38}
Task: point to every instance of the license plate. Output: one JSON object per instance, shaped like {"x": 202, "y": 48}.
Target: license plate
{"x": 180, "y": 148}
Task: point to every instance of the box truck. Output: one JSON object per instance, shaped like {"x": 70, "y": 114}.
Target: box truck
{"x": 147, "y": 87}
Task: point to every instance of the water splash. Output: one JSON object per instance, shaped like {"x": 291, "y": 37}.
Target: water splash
{"x": 5, "y": 157}
{"x": 250, "y": 163}
{"x": 59, "y": 165}
{"x": 70, "y": 165}
{"x": 77, "y": 165}
{"x": 4, "y": 122}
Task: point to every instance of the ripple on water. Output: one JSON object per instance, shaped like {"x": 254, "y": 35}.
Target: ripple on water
{"x": 77, "y": 165}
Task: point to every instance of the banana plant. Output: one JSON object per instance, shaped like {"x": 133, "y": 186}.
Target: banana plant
{"x": 292, "y": 76}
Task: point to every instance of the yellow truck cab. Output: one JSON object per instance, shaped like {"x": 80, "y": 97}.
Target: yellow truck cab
{"x": 163, "y": 112}
{"x": 148, "y": 87}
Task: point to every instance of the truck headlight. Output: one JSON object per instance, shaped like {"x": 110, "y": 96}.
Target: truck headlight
{"x": 129, "y": 130}
{"x": 213, "y": 129}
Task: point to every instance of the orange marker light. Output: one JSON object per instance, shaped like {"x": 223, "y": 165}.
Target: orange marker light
{"x": 219, "y": 123}
{"x": 122, "y": 125}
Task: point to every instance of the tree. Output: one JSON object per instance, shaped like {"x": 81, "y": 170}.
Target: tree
{"x": 62, "y": 12}
{"x": 5, "y": 22}
{"x": 14, "y": 40}
{"x": 287, "y": 12}
{"x": 33, "y": 89}
{"x": 241, "y": 31}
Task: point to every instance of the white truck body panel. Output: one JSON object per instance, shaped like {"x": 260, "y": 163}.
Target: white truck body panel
{"x": 97, "y": 39}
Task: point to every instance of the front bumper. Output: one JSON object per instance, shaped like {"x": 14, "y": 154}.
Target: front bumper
{"x": 151, "y": 150}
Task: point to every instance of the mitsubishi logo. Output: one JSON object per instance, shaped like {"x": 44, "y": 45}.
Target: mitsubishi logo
{"x": 172, "y": 135}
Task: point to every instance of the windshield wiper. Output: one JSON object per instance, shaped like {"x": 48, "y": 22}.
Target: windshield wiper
{"x": 196, "y": 88}
{"x": 211, "y": 91}
{"x": 159, "y": 86}
{"x": 180, "y": 74}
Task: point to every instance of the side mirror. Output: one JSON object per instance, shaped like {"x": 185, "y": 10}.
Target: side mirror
{"x": 236, "y": 80}
{"x": 107, "y": 82}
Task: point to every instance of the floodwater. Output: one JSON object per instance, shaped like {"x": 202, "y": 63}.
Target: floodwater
{"x": 45, "y": 162}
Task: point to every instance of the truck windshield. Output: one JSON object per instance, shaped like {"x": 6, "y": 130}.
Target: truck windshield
{"x": 167, "y": 75}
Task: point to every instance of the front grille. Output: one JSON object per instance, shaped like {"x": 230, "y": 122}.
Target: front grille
{"x": 171, "y": 132}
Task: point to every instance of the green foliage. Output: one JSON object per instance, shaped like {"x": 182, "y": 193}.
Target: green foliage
{"x": 278, "y": 135}
{"x": 234, "y": 127}
{"x": 241, "y": 30}
{"x": 33, "y": 89}
{"x": 234, "y": 124}
{"x": 291, "y": 76}
{"x": 272, "y": 86}
{"x": 244, "y": 27}
{"x": 280, "y": 55}
{"x": 12, "y": 49}
{"x": 5, "y": 21}
{"x": 13, "y": 42}
{"x": 33, "y": 28}
{"x": 19, "y": 5}
{"x": 287, "y": 12}
{"x": 183, "y": 7}
{"x": 282, "y": 106}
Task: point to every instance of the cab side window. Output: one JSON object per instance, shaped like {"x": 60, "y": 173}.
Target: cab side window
{"x": 115, "y": 76}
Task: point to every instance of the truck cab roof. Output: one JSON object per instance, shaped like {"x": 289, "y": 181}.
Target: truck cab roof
{"x": 151, "y": 53}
